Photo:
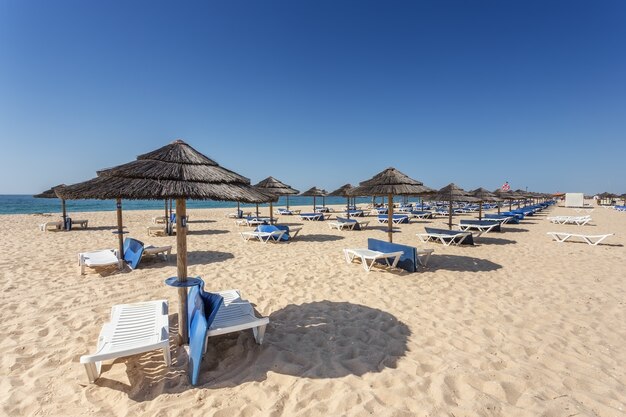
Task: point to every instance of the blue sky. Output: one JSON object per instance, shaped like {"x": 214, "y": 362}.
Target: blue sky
{"x": 319, "y": 92}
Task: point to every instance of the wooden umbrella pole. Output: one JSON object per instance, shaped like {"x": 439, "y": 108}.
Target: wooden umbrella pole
{"x": 257, "y": 210}
{"x": 390, "y": 217}
{"x": 167, "y": 220}
{"x": 181, "y": 267}
{"x": 120, "y": 229}
{"x": 313, "y": 204}
{"x": 450, "y": 213}
{"x": 271, "y": 213}
{"x": 480, "y": 210}
{"x": 64, "y": 213}
{"x": 348, "y": 208}
{"x": 287, "y": 202}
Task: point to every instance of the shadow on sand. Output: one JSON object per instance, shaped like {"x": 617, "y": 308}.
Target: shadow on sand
{"x": 317, "y": 238}
{"x": 321, "y": 339}
{"x": 460, "y": 263}
{"x": 205, "y": 257}
{"x": 206, "y": 232}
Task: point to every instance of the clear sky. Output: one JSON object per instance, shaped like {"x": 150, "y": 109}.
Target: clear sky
{"x": 319, "y": 92}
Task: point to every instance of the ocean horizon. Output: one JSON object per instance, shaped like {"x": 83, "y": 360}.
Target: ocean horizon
{"x": 27, "y": 204}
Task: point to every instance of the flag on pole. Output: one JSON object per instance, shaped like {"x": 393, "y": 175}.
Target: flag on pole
{"x": 506, "y": 186}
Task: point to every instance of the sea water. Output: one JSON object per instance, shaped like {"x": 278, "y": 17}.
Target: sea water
{"x": 27, "y": 204}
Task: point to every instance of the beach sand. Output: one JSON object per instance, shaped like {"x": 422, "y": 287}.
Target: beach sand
{"x": 517, "y": 326}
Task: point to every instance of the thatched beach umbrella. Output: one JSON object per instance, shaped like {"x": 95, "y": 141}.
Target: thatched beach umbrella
{"x": 314, "y": 192}
{"x": 388, "y": 183}
{"x": 174, "y": 171}
{"x": 51, "y": 193}
{"x": 273, "y": 187}
{"x": 505, "y": 195}
{"x": 450, "y": 193}
{"x": 482, "y": 195}
{"x": 344, "y": 191}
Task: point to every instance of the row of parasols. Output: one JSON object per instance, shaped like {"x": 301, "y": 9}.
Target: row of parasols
{"x": 179, "y": 172}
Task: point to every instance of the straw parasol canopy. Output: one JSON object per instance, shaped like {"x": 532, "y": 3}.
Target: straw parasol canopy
{"x": 175, "y": 171}
{"x": 344, "y": 191}
{"x": 273, "y": 187}
{"x": 482, "y": 194}
{"x": 389, "y": 182}
{"x": 51, "y": 193}
{"x": 314, "y": 192}
{"x": 505, "y": 195}
{"x": 450, "y": 193}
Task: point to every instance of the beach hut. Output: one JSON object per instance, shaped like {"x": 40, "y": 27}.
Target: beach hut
{"x": 272, "y": 186}
{"x": 51, "y": 193}
{"x": 482, "y": 195}
{"x": 343, "y": 191}
{"x": 388, "y": 183}
{"x": 175, "y": 171}
{"x": 314, "y": 192}
{"x": 450, "y": 193}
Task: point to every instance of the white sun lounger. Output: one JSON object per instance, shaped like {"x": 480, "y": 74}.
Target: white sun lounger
{"x": 264, "y": 237}
{"x": 589, "y": 239}
{"x": 235, "y": 315}
{"x": 157, "y": 250}
{"x": 97, "y": 259}
{"x": 56, "y": 225}
{"x": 372, "y": 256}
{"x": 348, "y": 225}
{"x": 447, "y": 240}
{"x": 82, "y": 223}
{"x": 134, "y": 328}
{"x": 578, "y": 220}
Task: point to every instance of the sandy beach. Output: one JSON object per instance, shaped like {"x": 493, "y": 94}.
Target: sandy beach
{"x": 518, "y": 325}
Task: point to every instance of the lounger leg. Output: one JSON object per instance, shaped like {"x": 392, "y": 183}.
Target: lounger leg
{"x": 365, "y": 265}
{"x": 259, "y": 333}
{"x": 93, "y": 371}
{"x": 167, "y": 355}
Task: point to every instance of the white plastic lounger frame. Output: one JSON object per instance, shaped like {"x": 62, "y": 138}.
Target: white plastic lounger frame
{"x": 447, "y": 240}
{"x": 480, "y": 228}
{"x": 44, "y": 227}
{"x": 264, "y": 237}
{"x": 82, "y": 223}
{"x": 157, "y": 250}
{"x": 371, "y": 255}
{"x": 589, "y": 239}
{"x": 423, "y": 255}
{"x": 236, "y": 315}
{"x": 98, "y": 259}
{"x": 578, "y": 220}
{"x": 134, "y": 328}
{"x": 342, "y": 225}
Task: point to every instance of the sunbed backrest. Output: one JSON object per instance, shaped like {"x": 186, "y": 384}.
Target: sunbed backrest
{"x": 133, "y": 249}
